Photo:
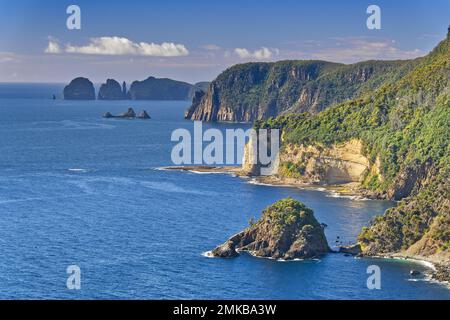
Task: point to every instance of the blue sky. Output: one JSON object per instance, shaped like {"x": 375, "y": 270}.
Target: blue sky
{"x": 124, "y": 39}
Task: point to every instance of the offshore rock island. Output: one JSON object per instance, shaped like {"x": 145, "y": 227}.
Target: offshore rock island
{"x": 287, "y": 230}
{"x": 79, "y": 89}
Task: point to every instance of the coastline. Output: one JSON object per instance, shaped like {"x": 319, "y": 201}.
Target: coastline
{"x": 348, "y": 190}
{"x": 439, "y": 270}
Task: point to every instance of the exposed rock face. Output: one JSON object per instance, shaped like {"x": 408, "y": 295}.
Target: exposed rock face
{"x": 197, "y": 98}
{"x": 143, "y": 115}
{"x": 353, "y": 250}
{"x": 79, "y": 89}
{"x": 315, "y": 164}
{"x": 287, "y": 230}
{"x": 442, "y": 273}
{"x": 111, "y": 90}
{"x": 130, "y": 114}
{"x": 160, "y": 89}
{"x": 251, "y": 164}
{"x": 252, "y": 91}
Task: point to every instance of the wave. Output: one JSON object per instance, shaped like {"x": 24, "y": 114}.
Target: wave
{"x": 255, "y": 181}
{"x": 337, "y": 195}
{"x": 78, "y": 170}
{"x": 205, "y": 172}
{"x": 207, "y": 254}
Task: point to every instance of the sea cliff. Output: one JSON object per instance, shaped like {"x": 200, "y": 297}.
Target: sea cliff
{"x": 253, "y": 91}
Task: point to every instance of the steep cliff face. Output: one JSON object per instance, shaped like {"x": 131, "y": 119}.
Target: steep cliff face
{"x": 79, "y": 89}
{"x": 315, "y": 164}
{"x": 253, "y": 91}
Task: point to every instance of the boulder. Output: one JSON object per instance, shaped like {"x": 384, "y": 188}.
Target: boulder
{"x": 143, "y": 115}
{"x": 79, "y": 89}
{"x": 414, "y": 273}
{"x": 352, "y": 250}
{"x": 287, "y": 230}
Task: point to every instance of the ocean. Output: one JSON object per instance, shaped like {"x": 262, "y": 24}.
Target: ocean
{"x": 77, "y": 189}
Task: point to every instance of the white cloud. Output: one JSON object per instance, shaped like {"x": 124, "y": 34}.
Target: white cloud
{"x": 124, "y": 46}
{"x": 8, "y": 57}
{"x": 261, "y": 54}
{"x": 53, "y": 47}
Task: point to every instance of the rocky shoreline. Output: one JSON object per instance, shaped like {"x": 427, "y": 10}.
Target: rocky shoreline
{"x": 341, "y": 190}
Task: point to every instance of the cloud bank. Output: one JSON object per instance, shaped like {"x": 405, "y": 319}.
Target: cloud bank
{"x": 353, "y": 49}
{"x": 53, "y": 47}
{"x": 119, "y": 46}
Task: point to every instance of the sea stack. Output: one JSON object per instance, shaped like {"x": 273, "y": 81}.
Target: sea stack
{"x": 287, "y": 230}
{"x": 79, "y": 89}
{"x": 111, "y": 90}
{"x": 124, "y": 90}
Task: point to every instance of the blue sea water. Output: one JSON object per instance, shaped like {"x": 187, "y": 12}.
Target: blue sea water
{"x": 77, "y": 189}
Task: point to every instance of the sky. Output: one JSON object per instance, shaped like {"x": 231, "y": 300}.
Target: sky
{"x": 195, "y": 40}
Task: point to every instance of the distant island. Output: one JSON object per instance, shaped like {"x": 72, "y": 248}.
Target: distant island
{"x": 79, "y": 89}
{"x": 149, "y": 89}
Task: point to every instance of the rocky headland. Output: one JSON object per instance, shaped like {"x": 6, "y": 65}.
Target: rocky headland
{"x": 254, "y": 91}
{"x": 286, "y": 230}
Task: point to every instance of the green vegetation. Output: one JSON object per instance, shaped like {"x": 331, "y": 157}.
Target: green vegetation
{"x": 405, "y": 124}
{"x": 288, "y": 211}
{"x": 254, "y": 91}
